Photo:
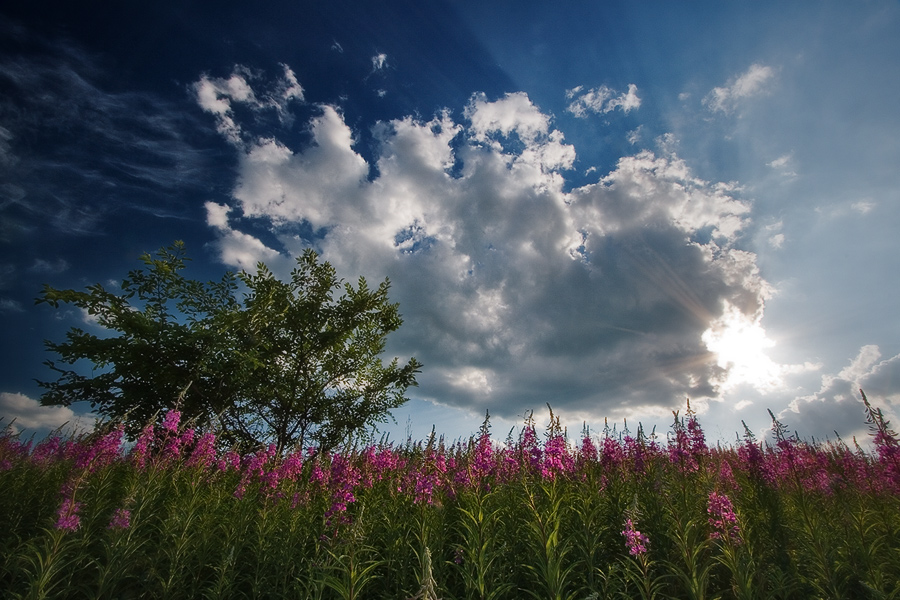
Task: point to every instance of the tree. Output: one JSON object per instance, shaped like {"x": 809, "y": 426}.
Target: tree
{"x": 167, "y": 348}
{"x": 288, "y": 364}
{"x": 314, "y": 369}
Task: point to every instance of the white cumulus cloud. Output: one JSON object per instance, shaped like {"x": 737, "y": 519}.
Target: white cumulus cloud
{"x": 513, "y": 113}
{"x": 837, "y": 406}
{"x": 515, "y": 290}
{"x": 379, "y": 61}
{"x": 25, "y": 413}
{"x": 218, "y": 96}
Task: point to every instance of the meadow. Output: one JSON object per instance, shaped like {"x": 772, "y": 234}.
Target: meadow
{"x": 546, "y": 515}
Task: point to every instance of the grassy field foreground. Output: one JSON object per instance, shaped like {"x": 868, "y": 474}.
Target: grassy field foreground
{"x": 617, "y": 516}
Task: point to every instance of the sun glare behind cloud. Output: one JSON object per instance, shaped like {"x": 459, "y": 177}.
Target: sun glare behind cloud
{"x": 740, "y": 345}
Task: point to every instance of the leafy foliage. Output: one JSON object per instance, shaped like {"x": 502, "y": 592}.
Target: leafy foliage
{"x": 313, "y": 359}
{"x": 289, "y": 364}
{"x": 168, "y": 345}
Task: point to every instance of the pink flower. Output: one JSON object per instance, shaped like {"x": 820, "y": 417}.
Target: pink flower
{"x": 384, "y": 462}
{"x": 557, "y": 459}
{"x": 104, "y": 450}
{"x": 170, "y": 423}
{"x": 484, "y": 457}
{"x": 187, "y": 437}
{"x": 291, "y": 467}
{"x": 12, "y": 449}
{"x": 529, "y": 446}
{"x": 611, "y": 454}
{"x": 141, "y": 451}
{"x": 752, "y": 459}
{"x": 255, "y": 468}
{"x": 424, "y": 488}
{"x": 726, "y": 476}
{"x": 688, "y": 445}
{"x": 318, "y": 474}
{"x": 634, "y": 449}
{"x": 344, "y": 477}
{"x": 47, "y": 450}
{"x": 588, "y": 450}
{"x": 204, "y": 452}
{"x": 231, "y": 460}
{"x": 722, "y": 518}
{"x": 174, "y": 444}
{"x": 698, "y": 439}
{"x": 121, "y": 519}
{"x": 68, "y": 519}
{"x": 636, "y": 541}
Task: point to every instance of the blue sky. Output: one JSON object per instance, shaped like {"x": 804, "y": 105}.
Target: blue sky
{"x": 607, "y": 208}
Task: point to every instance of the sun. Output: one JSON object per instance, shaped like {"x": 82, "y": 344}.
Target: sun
{"x": 740, "y": 343}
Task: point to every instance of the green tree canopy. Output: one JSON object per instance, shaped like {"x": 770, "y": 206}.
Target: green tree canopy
{"x": 288, "y": 364}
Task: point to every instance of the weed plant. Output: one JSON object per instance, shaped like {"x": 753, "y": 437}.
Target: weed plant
{"x": 617, "y": 516}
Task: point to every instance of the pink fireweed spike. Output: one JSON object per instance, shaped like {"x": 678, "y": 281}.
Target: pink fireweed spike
{"x": 635, "y": 541}
{"x": 204, "y": 453}
{"x": 557, "y": 460}
{"x": 528, "y": 446}
{"x": 68, "y": 519}
{"x": 588, "y": 452}
{"x": 291, "y": 466}
{"x": 634, "y": 450}
{"x": 887, "y": 444}
{"x": 104, "y": 451}
{"x": 12, "y": 449}
{"x": 121, "y": 519}
{"x": 170, "y": 423}
{"x": 174, "y": 444}
{"x": 726, "y": 477}
{"x": 722, "y": 518}
{"x": 254, "y": 468}
{"x": 318, "y": 475}
{"x": 344, "y": 478}
{"x": 230, "y": 461}
{"x": 483, "y": 463}
{"x": 698, "y": 439}
{"x": 611, "y": 453}
{"x": 47, "y": 450}
{"x": 141, "y": 451}
{"x": 425, "y": 484}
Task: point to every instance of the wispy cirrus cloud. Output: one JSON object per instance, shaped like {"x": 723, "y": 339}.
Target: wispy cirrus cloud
{"x": 73, "y": 149}
{"x": 515, "y": 290}
{"x": 784, "y": 164}
{"x": 775, "y": 237}
{"x": 863, "y": 207}
{"x": 41, "y": 265}
{"x": 601, "y": 100}
{"x": 755, "y": 81}
{"x": 10, "y": 306}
